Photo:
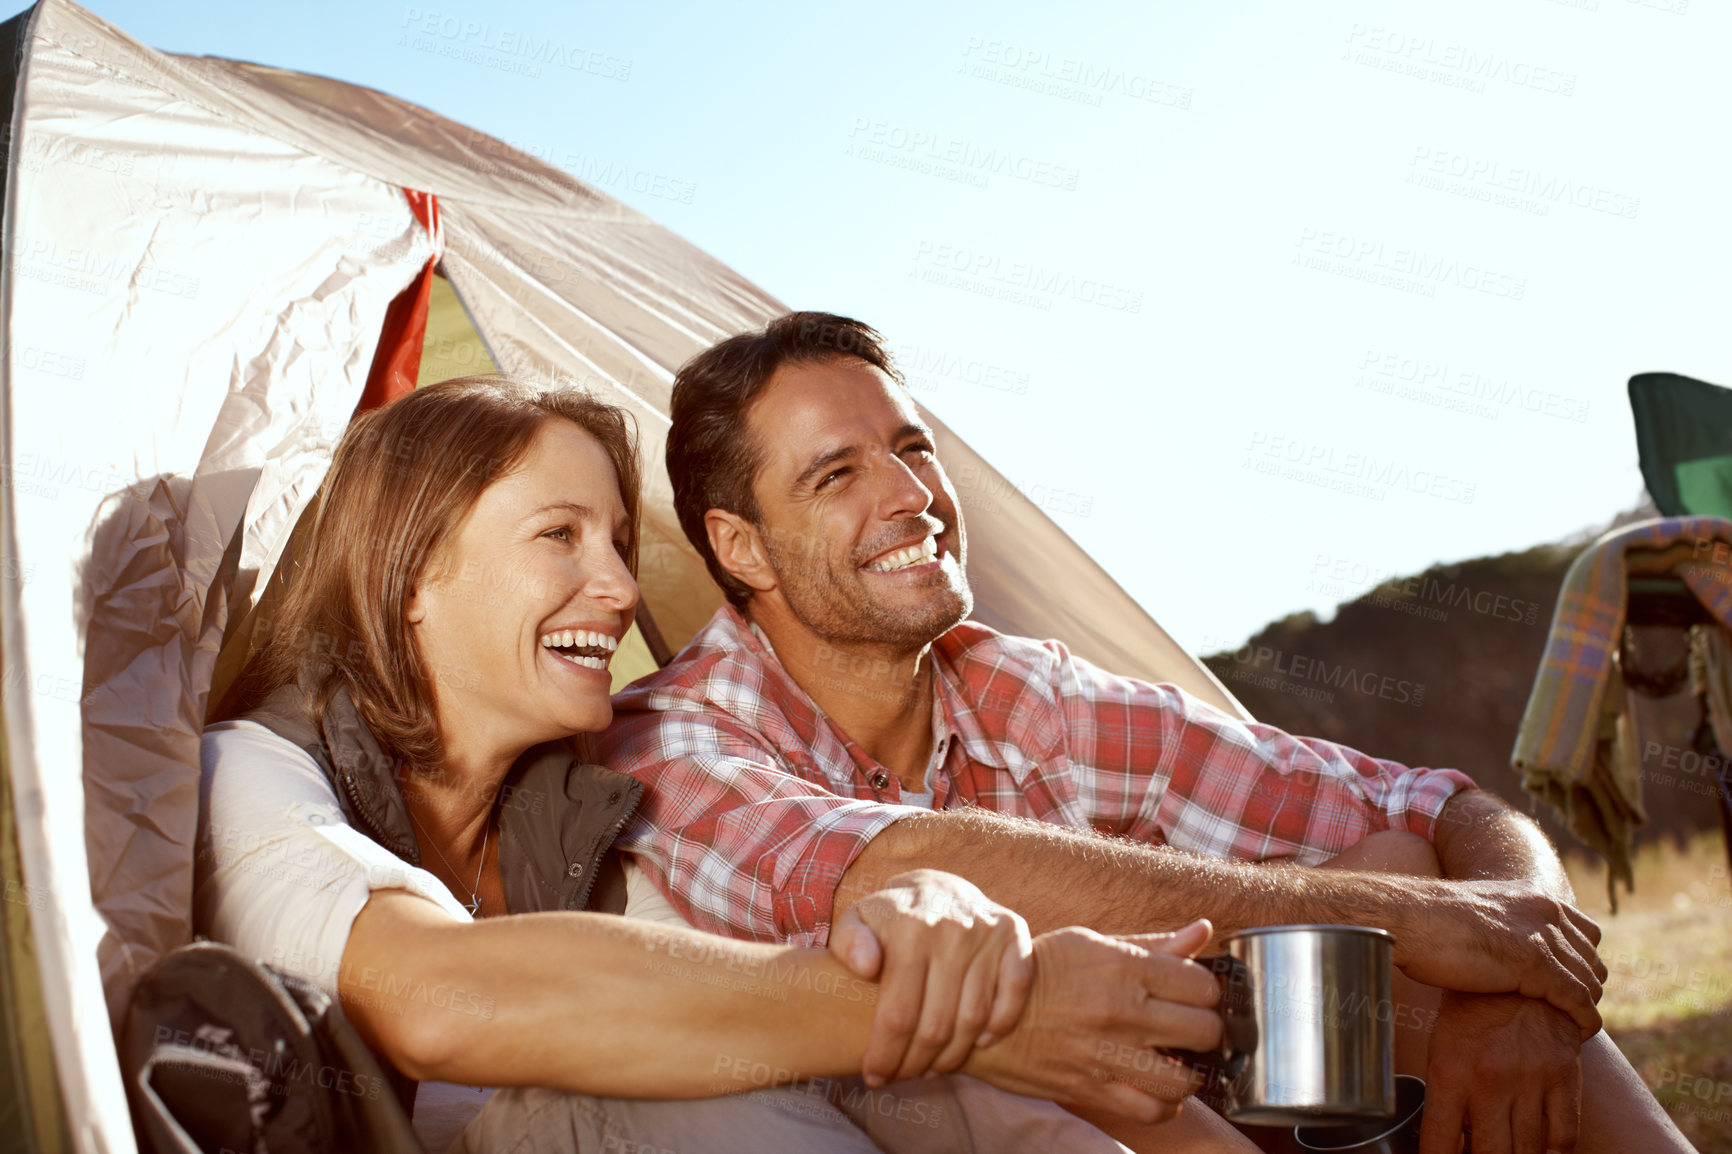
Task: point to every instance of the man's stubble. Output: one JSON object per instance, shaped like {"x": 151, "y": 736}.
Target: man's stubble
{"x": 830, "y": 598}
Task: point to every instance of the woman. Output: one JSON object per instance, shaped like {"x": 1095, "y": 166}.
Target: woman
{"x": 399, "y": 820}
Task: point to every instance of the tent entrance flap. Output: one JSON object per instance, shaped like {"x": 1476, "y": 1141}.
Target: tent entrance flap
{"x": 397, "y": 363}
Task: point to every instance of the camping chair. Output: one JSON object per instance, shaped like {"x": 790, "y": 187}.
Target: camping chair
{"x": 1684, "y": 441}
{"x": 1643, "y": 611}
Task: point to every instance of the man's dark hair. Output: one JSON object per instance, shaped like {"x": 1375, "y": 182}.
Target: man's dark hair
{"x": 712, "y": 459}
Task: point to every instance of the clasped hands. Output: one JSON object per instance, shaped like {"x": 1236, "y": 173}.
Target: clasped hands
{"x": 1070, "y": 1015}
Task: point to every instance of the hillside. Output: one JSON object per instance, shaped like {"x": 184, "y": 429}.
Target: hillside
{"x": 1434, "y": 670}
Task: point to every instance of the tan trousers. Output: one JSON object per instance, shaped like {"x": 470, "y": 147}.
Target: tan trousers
{"x": 954, "y": 1115}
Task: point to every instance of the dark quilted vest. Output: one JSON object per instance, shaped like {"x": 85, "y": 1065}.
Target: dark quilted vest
{"x": 557, "y": 816}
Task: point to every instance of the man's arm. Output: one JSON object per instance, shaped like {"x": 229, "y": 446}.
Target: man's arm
{"x": 1487, "y": 935}
{"x": 1479, "y": 837}
{"x": 1501, "y": 1064}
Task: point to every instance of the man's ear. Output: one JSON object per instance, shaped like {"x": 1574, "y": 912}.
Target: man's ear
{"x": 739, "y": 547}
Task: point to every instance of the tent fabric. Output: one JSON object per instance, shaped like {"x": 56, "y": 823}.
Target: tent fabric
{"x": 1684, "y": 438}
{"x": 198, "y": 260}
{"x": 565, "y": 284}
{"x": 31, "y": 1111}
{"x": 159, "y": 392}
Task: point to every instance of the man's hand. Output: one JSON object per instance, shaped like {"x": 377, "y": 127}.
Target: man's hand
{"x": 1100, "y": 1009}
{"x": 1495, "y": 937}
{"x": 954, "y": 970}
{"x": 1507, "y": 1067}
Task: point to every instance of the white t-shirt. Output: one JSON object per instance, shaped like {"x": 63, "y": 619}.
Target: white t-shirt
{"x": 279, "y": 873}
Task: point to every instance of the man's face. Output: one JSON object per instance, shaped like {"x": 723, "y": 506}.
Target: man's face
{"x": 859, "y": 520}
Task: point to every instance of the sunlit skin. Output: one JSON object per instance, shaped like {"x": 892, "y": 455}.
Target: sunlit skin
{"x": 540, "y": 552}
{"x": 847, "y": 474}
{"x": 847, "y": 478}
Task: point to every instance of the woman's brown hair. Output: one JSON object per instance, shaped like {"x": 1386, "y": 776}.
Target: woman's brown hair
{"x": 403, "y": 478}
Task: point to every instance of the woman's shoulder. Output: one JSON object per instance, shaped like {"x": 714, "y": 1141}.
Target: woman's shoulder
{"x": 248, "y": 767}
{"x": 223, "y": 741}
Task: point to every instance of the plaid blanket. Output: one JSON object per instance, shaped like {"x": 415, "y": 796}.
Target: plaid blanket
{"x": 1571, "y": 748}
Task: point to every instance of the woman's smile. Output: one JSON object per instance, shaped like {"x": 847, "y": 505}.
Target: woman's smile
{"x": 584, "y": 648}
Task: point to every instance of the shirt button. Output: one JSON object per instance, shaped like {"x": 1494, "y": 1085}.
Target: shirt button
{"x": 576, "y": 870}
{"x": 880, "y": 781}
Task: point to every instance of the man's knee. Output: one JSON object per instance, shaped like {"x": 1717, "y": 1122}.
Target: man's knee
{"x": 1391, "y": 852}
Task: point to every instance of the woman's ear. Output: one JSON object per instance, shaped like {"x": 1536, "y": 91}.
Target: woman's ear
{"x": 432, "y": 573}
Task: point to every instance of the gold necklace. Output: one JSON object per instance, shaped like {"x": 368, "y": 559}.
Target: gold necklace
{"x": 474, "y": 903}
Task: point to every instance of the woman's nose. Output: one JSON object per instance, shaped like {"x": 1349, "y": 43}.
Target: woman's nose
{"x": 613, "y": 583}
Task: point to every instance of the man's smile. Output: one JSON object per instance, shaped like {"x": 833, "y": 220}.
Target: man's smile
{"x": 903, "y": 557}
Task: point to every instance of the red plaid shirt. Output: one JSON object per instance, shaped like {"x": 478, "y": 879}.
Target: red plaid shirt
{"x": 756, "y": 803}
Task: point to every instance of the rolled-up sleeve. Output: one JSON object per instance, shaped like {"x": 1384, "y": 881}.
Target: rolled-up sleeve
{"x": 1164, "y": 766}
{"x": 279, "y": 873}
{"x": 740, "y": 846}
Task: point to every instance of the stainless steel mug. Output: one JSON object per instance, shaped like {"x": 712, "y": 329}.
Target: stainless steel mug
{"x": 1397, "y": 1135}
{"x": 1308, "y": 1026}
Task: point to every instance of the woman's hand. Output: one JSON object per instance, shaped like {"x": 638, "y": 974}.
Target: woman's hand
{"x": 954, "y": 970}
{"x": 1100, "y": 1011}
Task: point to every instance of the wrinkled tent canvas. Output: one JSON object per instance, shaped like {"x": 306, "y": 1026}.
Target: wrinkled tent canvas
{"x": 198, "y": 259}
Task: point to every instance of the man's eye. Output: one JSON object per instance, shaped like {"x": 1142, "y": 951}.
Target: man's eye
{"x": 919, "y": 447}
{"x": 836, "y": 476}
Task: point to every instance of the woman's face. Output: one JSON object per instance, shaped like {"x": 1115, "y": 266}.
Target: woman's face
{"x": 521, "y": 610}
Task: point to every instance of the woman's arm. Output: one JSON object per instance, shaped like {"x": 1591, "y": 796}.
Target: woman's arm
{"x": 617, "y": 1007}
{"x": 593, "y": 1002}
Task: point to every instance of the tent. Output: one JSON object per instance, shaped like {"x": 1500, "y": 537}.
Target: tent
{"x": 207, "y": 263}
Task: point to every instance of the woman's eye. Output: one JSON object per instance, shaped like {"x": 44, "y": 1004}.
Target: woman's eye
{"x": 563, "y": 533}
{"x": 622, "y": 547}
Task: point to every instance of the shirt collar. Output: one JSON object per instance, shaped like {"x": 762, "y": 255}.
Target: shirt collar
{"x": 953, "y": 715}
{"x": 960, "y": 719}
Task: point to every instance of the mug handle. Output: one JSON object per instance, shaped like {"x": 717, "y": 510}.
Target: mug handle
{"x": 1221, "y": 1067}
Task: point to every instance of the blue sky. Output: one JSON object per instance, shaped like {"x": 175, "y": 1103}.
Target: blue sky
{"x": 1259, "y": 300}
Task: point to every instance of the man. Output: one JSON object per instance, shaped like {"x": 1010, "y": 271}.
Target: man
{"x": 782, "y": 785}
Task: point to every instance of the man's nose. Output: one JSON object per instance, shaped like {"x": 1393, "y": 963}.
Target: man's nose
{"x": 905, "y": 494}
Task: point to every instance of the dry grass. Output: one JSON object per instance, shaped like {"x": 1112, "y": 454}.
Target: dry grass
{"x": 1668, "y": 1002}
